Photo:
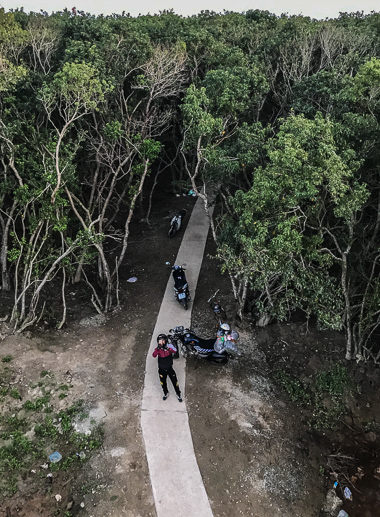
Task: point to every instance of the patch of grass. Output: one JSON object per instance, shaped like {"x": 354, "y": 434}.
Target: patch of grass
{"x": 10, "y": 487}
{"x": 5, "y": 375}
{"x": 87, "y": 442}
{"x": 327, "y": 417}
{"x": 64, "y": 387}
{"x": 77, "y": 408}
{"x": 38, "y": 404}
{"x": 325, "y": 396}
{"x": 44, "y": 373}
{"x": 67, "y": 463}
{"x": 329, "y": 405}
{"x": 372, "y": 426}
{"x": 15, "y": 457}
{"x": 54, "y": 431}
{"x": 65, "y": 420}
{"x": 47, "y": 429}
{"x": 293, "y": 387}
{"x": 6, "y": 359}
{"x": 14, "y": 393}
{"x": 86, "y": 489}
{"x": 332, "y": 381}
{"x": 16, "y": 424}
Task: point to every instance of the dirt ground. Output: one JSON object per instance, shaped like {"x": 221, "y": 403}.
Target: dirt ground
{"x": 258, "y": 452}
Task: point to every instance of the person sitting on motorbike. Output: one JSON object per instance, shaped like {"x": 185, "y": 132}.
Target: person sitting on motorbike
{"x": 164, "y": 351}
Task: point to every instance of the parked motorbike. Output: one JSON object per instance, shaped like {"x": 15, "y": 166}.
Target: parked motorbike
{"x": 218, "y": 311}
{"x": 174, "y": 340}
{"x": 176, "y": 222}
{"x": 181, "y": 287}
{"x": 191, "y": 345}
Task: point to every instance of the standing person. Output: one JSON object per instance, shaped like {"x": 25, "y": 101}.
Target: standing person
{"x": 165, "y": 351}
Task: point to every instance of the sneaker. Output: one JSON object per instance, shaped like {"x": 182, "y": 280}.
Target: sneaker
{"x": 179, "y": 398}
{"x": 165, "y": 396}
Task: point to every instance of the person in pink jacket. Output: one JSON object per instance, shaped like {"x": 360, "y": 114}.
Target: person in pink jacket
{"x": 164, "y": 351}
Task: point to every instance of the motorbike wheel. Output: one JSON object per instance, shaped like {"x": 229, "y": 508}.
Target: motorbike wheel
{"x": 172, "y": 230}
{"x": 184, "y": 303}
{"x": 184, "y": 351}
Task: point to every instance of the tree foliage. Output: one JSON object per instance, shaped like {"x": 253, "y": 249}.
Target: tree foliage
{"x": 279, "y": 115}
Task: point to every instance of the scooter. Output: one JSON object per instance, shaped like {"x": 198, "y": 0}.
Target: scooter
{"x": 191, "y": 345}
{"x": 175, "y": 223}
{"x": 181, "y": 287}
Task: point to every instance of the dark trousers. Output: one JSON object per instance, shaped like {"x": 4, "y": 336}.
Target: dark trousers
{"x": 163, "y": 374}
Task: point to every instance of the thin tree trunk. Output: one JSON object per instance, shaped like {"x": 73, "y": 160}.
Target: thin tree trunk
{"x": 5, "y": 278}
{"x": 129, "y": 218}
{"x": 63, "y": 299}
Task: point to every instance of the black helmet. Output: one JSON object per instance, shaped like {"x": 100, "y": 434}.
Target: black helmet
{"x": 164, "y": 337}
{"x": 216, "y": 308}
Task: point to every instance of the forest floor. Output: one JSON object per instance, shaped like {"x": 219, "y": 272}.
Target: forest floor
{"x": 272, "y": 430}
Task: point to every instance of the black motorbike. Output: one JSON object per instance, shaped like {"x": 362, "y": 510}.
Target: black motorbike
{"x": 176, "y": 222}
{"x": 181, "y": 287}
{"x": 191, "y": 345}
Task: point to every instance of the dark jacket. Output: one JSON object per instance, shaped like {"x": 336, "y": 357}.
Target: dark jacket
{"x": 165, "y": 356}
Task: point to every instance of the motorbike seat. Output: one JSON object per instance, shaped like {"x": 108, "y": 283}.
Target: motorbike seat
{"x": 203, "y": 345}
{"x": 207, "y": 343}
{"x": 203, "y": 352}
{"x": 180, "y": 287}
{"x": 179, "y": 279}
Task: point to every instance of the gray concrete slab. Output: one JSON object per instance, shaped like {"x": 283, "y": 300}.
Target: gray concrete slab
{"x": 176, "y": 481}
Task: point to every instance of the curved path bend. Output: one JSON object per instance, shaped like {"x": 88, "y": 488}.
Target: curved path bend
{"x": 176, "y": 481}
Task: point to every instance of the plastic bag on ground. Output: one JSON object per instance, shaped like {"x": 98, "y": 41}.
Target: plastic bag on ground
{"x": 220, "y": 345}
{"x": 234, "y": 335}
{"x": 347, "y": 493}
{"x": 231, "y": 347}
{"x": 55, "y": 457}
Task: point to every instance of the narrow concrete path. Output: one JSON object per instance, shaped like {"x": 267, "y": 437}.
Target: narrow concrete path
{"x": 176, "y": 481}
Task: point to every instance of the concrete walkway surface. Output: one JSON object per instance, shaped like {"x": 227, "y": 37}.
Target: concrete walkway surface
{"x": 177, "y": 485}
